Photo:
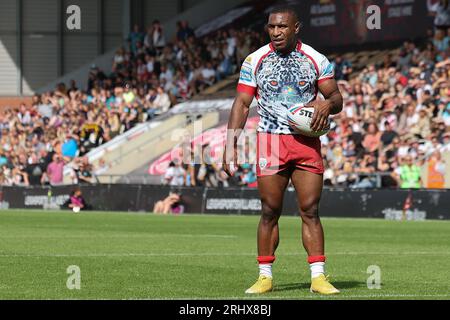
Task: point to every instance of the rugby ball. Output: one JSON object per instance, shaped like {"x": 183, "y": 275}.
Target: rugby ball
{"x": 300, "y": 117}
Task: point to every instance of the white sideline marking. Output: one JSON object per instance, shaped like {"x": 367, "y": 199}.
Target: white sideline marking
{"x": 155, "y": 235}
{"x": 406, "y": 253}
{"x": 212, "y": 254}
{"x": 336, "y": 297}
{"x": 120, "y": 255}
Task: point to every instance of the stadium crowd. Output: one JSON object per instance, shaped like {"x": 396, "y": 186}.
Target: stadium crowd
{"x": 396, "y": 113}
{"x": 396, "y": 118}
{"x": 186, "y": 65}
{"x": 148, "y": 76}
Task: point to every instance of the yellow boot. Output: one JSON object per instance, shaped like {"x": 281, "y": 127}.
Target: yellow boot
{"x": 263, "y": 285}
{"x": 321, "y": 285}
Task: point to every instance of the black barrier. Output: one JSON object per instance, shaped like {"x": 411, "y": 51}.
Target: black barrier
{"x": 105, "y": 197}
{"x": 385, "y": 203}
{"x": 369, "y": 203}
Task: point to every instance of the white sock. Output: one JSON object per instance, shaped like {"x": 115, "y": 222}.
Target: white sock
{"x": 317, "y": 268}
{"x": 265, "y": 270}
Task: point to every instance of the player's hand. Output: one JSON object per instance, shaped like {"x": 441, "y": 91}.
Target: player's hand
{"x": 229, "y": 161}
{"x": 322, "y": 111}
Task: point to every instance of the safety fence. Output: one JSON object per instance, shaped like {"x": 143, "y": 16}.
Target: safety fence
{"x": 393, "y": 204}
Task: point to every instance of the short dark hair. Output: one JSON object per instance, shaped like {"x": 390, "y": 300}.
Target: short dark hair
{"x": 285, "y": 9}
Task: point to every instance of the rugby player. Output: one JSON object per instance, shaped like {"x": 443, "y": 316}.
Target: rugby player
{"x": 280, "y": 74}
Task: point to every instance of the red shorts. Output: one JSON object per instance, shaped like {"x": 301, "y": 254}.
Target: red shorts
{"x": 278, "y": 152}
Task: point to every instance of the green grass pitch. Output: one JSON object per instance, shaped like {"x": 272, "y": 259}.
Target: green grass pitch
{"x": 145, "y": 256}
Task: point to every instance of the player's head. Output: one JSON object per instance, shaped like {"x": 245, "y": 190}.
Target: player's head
{"x": 283, "y": 27}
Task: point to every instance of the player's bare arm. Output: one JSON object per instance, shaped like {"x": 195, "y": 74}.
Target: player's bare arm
{"x": 238, "y": 118}
{"x": 323, "y": 108}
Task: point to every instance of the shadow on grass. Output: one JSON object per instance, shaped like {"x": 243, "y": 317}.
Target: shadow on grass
{"x": 306, "y": 285}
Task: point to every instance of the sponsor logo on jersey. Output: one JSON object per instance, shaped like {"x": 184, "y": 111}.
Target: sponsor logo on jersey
{"x": 328, "y": 69}
{"x": 288, "y": 99}
{"x": 246, "y": 74}
{"x": 262, "y": 163}
{"x": 271, "y": 59}
{"x": 304, "y": 60}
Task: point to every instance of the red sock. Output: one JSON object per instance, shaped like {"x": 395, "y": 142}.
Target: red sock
{"x": 313, "y": 259}
{"x": 265, "y": 259}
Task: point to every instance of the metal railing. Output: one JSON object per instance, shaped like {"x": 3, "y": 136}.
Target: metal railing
{"x": 375, "y": 179}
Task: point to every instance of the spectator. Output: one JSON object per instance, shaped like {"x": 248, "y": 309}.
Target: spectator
{"x": 346, "y": 177}
{"x": 207, "y": 169}
{"x": 225, "y": 67}
{"x": 170, "y": 204}
{"x": 383, "y": 166}
{"x": 135, "y": 36}
{"x": 445, "y": 143}
{"x": 388, "y": 136}
{"x": 408, "y": 174}
{"x": 20, "y": 177}
{"x": 181, "y": 91}
{"x": 441, "y": 40}
{"x": 422, "y": 127}
{"x": 407, "y": 120}
{"x": 372, "y": 139}
{"x": 70, "y": 146}
{"x": 158, "y": 39}
{"x": 208, "y": 74}
{"x": 76, "y": 201}
{"x": 175, "y": 174}
{"x": 128, "y": 94}
{"x": 141, "y": 71}
{"x": 248, "y": 177}
{"x": 436, "y": 171}
{"x": 223, "y": 179}
{"x": 118, "y": 61}
{"x": 148, "y": 40}
{"x": 231, "y": 41}
{"x": 91, "y": 135}
{"x": 83, "y": 171}
{"x": 161, "y": 103}
{"x": 328, "y": 175}
{"x": 5, "y": 176}
{"x": 342, "y": 68}
{"x": 35, "y": 170}
{"x": 55, "y": 170}
{"x": 184, "y": 31}
{"x": 243, "y": 49}
{"x": 365, "y": 169}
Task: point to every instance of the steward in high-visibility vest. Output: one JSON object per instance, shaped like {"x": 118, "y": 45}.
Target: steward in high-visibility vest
{"x": 410, "y": 176}
{"x": 436, "y": 171}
